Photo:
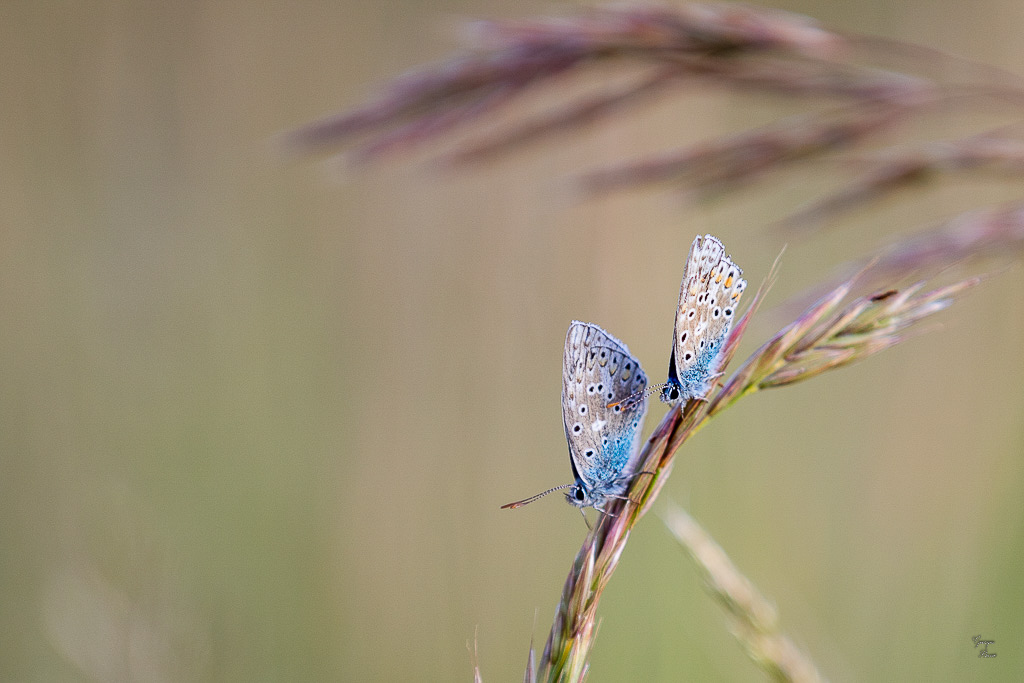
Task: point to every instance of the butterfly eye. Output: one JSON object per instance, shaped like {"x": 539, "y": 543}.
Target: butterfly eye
{"x": 578, "y": 494}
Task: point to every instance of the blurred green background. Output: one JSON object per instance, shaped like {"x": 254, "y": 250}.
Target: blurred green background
{"x": 258, "y": 414}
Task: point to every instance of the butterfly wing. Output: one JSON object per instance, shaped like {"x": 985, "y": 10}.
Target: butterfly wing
{"x": 708, "y": 297}
{"x": 598, "y": 370}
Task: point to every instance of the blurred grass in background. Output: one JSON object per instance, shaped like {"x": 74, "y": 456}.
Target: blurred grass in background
{"x": 257, "y": 423}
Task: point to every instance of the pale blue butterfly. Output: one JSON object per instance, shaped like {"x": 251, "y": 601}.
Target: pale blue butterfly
{"x": 708, "y": 297}
{"x": 602, "y": 428}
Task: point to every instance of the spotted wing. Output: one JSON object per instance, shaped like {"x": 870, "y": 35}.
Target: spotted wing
{"x": 708, "y": 297}
{"x": 598, "y": 370}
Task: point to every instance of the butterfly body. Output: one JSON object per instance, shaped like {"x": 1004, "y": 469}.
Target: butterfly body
{"x": 708, "y": 296}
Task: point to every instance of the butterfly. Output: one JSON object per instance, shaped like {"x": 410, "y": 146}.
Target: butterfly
{"x": 708, "y": 296}
{"x": 602, "y": 429}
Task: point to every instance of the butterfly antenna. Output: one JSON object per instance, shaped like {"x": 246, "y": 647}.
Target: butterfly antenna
{"x": 525, "y": 501}
{"x": 637, "y": 396}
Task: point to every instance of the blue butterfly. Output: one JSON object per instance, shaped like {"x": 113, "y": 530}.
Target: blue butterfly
{"x": 602, "y": 427}
{"x": 708, "y": 297}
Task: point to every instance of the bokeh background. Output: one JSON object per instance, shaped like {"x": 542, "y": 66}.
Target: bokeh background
{"x": 259, "y": 413}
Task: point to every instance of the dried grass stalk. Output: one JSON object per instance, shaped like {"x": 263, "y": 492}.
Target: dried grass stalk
{"x": 753, "y": 50}
{"x": 834, "y": 332}
{"x": 755, "y": 621}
